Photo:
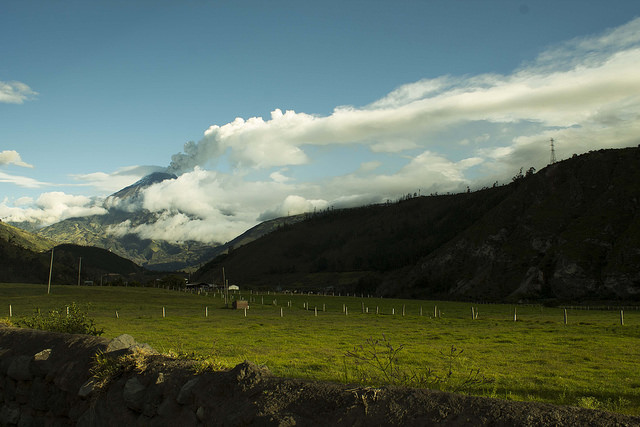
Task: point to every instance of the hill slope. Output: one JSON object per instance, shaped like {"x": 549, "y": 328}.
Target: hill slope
{"x": 24, "y": 239}
{"x": 571, "y": 231}
{"x": 26, "y": 258}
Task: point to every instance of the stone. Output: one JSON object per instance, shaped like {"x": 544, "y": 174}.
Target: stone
{"x": 87, "y": 388}
{"x": 19, "y": 368}
{"x": 121, "y": 342}
{"x": 42, "y": 355}
{"x": 200, "y": 414}
{"x": 184, "y": 396}
{"x": 38, "y": 395}
{"x": 9, "y": 415}
{"x": 134, "y": 394}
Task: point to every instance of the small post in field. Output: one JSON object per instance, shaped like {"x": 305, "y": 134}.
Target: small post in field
{"x": 281, "y": 313}
{"x": 324, "y": 308}
{"x": 245, "y": 311}
{"x": 473, "y": 313}
{"x": 315, "y": 310}
{"x": 403, "y": 310}
{"x": 163, "y": 313}
{"x": 393, "y": 311}
{"x": 117, "y": 315}
{"x": 435, "y": 311}
{"x": 565, "y": 316}
{"x": 420, "y": 310}
{"x": 621, "y": 317}
{"x": 363, "y": 308}
{"x": 346, "y": 311}
{"x": 515, "y": 314}
{"x": 344, "y": 307}
{"x": 67, "y": 310}
{"x": 377, "y": 310}
{"x": 10, "y": 311}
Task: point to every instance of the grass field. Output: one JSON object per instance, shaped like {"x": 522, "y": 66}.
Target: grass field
{"x": 592, "y": 361}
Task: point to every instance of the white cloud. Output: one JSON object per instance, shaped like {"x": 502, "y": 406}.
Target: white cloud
{"x": 114, "y": 181}
{"x": 15, "y": 92}
{"x": 293, "y": 205}
{"x": 49, "y": 208}
{"x": 22, "y": 181}
{"x": 9, "y": 157}
{"x": 545, "y": 95}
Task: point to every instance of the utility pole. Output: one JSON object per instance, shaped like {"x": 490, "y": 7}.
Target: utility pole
{"x": 226, "y": 289}
{"x": 50, "y": 270}
{"x": 552, "y": 160}
{"x": 79, "y": 270}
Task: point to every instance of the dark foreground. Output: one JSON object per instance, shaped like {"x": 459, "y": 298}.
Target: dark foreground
{"x": 45, "y": 379}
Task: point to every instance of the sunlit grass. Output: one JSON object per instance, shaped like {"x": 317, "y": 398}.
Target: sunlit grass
{"x": 591, "y": 361}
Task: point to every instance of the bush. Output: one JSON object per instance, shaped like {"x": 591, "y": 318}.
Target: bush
{"x": 70, "y": 319}
{"x": 376, "y": 362}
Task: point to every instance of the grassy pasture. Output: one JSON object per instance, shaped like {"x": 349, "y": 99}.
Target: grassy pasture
{"x": 592, "y": 361}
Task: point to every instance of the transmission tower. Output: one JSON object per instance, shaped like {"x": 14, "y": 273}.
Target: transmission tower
{"x": 552, "y": 160}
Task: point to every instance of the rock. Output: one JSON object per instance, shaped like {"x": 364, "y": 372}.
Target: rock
{"x": 87, "y": 388}
{"x": 42, "y": 363}
{"x": 9, "y": 415}
{"x": 121, "y": 342}
{"x": 125, "y": 343}
{"x": 19, "y": 368}
{"x": 134, "y": 394}
{"x": 184, "y": 396}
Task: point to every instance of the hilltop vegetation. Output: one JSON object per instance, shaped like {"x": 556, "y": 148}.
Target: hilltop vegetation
{"x": 569, "y": 232}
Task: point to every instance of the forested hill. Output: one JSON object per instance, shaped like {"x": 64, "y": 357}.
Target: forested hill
{"x": 568, "y": 232}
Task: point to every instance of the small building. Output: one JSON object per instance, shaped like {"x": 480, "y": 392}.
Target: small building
{"x": 240, "y": 304}
{"x": 234, "y": 288}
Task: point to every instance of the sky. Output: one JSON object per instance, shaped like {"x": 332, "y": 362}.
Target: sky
{"x": 272, "y": 108}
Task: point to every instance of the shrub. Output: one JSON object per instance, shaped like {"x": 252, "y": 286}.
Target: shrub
{"x": 70, "y": 319}
{"x": 376, "y": 362}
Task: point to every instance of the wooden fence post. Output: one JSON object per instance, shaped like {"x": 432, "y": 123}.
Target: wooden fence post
{"x": 621, "y": 317}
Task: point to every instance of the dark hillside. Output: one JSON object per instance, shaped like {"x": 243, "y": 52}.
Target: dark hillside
{"x": 568, "y": 232}
{"x": 21, "y": 265}
{"x": 572, "y": 231}
{"x": 354, "y": 247}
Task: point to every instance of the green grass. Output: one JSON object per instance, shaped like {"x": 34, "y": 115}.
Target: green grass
{"x": 592, "y": 361}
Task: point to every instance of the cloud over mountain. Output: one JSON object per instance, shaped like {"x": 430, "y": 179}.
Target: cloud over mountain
{"x": 437, "y": 134}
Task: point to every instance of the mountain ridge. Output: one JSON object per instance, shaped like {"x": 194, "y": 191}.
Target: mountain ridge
{"x": 569, "y": 232}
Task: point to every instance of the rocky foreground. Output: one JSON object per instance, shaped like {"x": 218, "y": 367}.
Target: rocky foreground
{"x": 52, "y": 379}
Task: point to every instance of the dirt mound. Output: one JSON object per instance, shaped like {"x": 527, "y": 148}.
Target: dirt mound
{"x": 163, "y": 391}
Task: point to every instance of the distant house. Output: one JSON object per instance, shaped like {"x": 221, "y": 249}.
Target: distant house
{"x": 234, "y": 288}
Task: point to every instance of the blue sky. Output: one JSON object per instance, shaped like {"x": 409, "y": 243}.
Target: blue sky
{"x": 295, "y": 105}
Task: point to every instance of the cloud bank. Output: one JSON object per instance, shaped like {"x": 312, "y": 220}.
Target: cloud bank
{"x": 15, "y": 92}
{"x": 438, "y": 134}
